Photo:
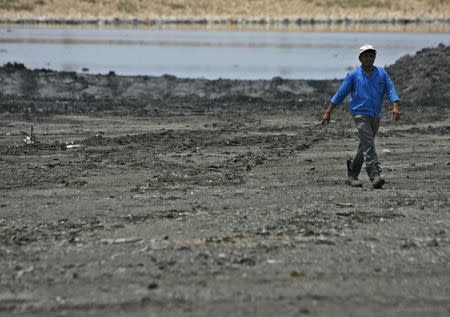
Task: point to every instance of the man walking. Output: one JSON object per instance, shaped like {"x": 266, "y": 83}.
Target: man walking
{"x": 367, "y": 84}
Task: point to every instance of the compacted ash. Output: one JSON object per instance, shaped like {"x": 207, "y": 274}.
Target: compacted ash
{"x": 142, "y": 196}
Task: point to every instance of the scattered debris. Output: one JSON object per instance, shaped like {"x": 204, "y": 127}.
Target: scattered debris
{"x": 29, "y": 138}
{"x": 74, "y": 146}
{"x": 314, "y": 239}
{"x": 60, "y": 300}
{"x": 246, "y": 261}
{"x": 71, "y": 145}
{"x": 121, "y": 240}
{"x": 344, "y": 205}
{"x": 345, "y": 213}
{"x": 72, "y": 237}
{"x": 408, "y": 245}
{"x": 232, "y": 239}
{"x": 23, "y": 271}
{"x": 433, "y": 243}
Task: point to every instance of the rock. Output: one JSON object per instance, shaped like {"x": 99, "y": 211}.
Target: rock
{"x": 344, "y": 205}
{"x": 433, "y": 243}
{"x": 121, "y": 240}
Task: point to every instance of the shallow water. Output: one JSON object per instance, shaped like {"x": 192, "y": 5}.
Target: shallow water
{"x": 308, "y": 52}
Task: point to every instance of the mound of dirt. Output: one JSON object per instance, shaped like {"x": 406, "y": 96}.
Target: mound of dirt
{"x": 48, "y": 91}
{"x": 423, "y": 78}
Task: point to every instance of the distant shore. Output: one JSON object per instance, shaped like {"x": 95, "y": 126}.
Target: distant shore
{"x": 228, "y": 21}
{"x": 218, "y": 12}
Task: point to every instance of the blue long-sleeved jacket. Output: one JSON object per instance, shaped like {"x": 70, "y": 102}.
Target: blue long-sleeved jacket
{"x": 367, "y": 93}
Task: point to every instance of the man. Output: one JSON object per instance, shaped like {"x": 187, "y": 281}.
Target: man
{"x": 367, "y": 84}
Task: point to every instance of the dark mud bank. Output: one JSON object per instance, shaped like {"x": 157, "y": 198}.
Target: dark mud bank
{"x": 421, "y": 79}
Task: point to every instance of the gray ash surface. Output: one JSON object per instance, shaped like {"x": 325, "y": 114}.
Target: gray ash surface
{"x": 160, "y": 196}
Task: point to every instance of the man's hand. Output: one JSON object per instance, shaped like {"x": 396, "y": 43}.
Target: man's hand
{"x": 395, "y": 113}
{"x": 327, "y": 114}
{"x": 326, "y": 117}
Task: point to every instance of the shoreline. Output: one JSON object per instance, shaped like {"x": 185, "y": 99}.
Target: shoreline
{"x": 227, "y": 21}
{"x": 45, "y": 85}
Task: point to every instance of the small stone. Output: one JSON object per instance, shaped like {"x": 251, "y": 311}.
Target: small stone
{"x": 344, "y": 205}
{"x": 433, "y": 243}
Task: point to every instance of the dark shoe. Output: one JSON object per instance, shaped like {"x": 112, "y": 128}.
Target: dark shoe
{"x": 353, "y": 182}
{"x": 378, "y": 182}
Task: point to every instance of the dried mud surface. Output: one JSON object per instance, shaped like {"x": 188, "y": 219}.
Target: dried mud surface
{"x": 145, "y": 196}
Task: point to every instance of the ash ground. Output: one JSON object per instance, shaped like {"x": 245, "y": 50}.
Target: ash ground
{"x": 168, "y": 197}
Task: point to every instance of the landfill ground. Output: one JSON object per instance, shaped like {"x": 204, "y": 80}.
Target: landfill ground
{"x": 171, "y": 197}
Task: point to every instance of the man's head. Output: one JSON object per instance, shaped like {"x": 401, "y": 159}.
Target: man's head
{"x": 367, "y": 54}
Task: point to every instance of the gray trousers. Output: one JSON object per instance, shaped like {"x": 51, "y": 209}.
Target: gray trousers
{"x": 367, "y": 129}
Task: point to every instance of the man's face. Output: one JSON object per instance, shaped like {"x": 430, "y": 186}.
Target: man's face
{"x": 367, "y": 58}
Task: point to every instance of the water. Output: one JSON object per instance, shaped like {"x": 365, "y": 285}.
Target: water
{"x": 239, "y": 53}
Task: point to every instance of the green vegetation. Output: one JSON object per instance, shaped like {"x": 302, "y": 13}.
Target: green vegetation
{"x": 176, "y": 6}
{"x": 351, "y": 3}
{"x": 127, "y": 7}
{"x": 15, "y": 5}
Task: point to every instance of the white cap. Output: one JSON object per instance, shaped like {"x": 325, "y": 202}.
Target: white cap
{"x": 367, "y": 47}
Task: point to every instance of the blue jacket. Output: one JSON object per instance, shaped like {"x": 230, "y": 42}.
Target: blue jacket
{"x": 367, "y": 93}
